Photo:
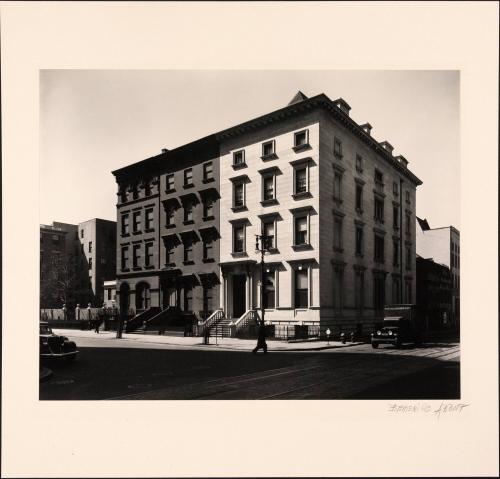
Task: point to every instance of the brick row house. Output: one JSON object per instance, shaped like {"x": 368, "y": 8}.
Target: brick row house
{"x": 338, "y": 208}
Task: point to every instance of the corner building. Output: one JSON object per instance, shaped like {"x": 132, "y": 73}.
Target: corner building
{"x": 340, "y": 209}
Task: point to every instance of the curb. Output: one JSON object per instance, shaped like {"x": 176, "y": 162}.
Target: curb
{"x": 45, "y": 373}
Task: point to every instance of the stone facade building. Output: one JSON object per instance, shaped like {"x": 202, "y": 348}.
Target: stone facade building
{"x": 338, "y": 206}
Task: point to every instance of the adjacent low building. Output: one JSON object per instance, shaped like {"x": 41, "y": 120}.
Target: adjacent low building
{"x": 442, "y": 245}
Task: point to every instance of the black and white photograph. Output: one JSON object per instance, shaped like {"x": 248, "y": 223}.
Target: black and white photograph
{"x": 249, "y": 239}
{"x": 293, "y": 231}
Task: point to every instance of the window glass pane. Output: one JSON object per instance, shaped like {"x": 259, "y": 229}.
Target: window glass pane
{"x": 301, "y": 180}
{"x": 268, "y": 188}
{"x": 301, "y": 230}
{"x": 238, "y": 195}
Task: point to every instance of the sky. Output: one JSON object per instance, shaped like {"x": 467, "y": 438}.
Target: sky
{"x": 95, "y": 121}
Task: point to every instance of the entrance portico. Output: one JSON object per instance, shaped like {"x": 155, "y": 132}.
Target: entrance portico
{"x": 238, "y": 287}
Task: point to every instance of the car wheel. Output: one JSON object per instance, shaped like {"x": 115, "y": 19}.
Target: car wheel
{"x": 374, "y": 345}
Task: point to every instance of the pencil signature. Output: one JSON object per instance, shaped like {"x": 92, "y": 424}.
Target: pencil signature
{"x": 447, "y": 408}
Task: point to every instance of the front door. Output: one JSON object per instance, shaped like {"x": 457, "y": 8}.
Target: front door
{"x": 239, "y": 295}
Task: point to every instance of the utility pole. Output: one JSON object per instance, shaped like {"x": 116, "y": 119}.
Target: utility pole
{"x": 262, "y": 245}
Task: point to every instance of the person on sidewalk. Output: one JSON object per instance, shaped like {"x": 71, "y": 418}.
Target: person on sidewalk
{"x": 97, "y": 324}
{"x": 261, "y": 339}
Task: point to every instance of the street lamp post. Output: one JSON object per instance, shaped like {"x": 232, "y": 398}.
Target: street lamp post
{"x": 262, "y": 245}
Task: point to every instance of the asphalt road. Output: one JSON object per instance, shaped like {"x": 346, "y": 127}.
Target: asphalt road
{"x": 121, "y": 369}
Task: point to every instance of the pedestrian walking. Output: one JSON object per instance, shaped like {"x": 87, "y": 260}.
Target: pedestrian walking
{"x": 261, "y": 339}
{"x": 97, "y": 324}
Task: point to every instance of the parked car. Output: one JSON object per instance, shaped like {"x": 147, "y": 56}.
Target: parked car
{"x": 395, "y": 330}
{"x": 54, "y": 346}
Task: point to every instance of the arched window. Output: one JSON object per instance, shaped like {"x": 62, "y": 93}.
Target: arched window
{"x": 142, "y": 296}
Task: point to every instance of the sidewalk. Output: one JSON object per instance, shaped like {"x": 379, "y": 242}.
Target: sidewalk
{"x": 232, "y": 344}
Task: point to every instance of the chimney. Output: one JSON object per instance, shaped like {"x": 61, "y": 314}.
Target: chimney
{"x": 164, "y": 150}
{"x": 342, "y": 105}
{"x": 401, "y": 159}
{"x": 387, "y": 146}
{"x": 367, "y": 128}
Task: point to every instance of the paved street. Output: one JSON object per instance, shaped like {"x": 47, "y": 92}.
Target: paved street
{"x": 140, "y": 368}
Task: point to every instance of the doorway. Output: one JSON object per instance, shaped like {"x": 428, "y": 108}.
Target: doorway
{"x": 124, "y": 299}
{"x": 239, "y": 295}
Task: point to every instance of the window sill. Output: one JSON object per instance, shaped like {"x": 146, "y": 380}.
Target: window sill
{"x": 151, "y": 266}
{"x": 169, "y": 265}
{"x": 190, "y": 185}
{"x": 188, "y": 222}
{"x": 208, "y": 260}
{"x": 139, "y": 232}
{"x": 208, "y": 180}
{"x": 149, "y": 230}
{"x": 208, "y": 218}
{"x": 125, "y": 235}
{"x": 235, "y": 209}
{"x": 239, "y": 254}
{"x": 271, "y": 156}
{"x": 170, "y": 191}
{"x": 169, "y": 226}
{"x": 301, "y": 247}
{"x": 303, "y": 147}
{"x": 187, "y": 263}
{"x": 136, "y": 268}
{"x": 300, "y": 196}
{"x": 239, "y": 166}
{"x": 271, "y": 201}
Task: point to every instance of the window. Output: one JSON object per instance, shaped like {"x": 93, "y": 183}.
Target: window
{"x": 90, "y": 246}
{"x": 337, "y": 187}
{"x": 208, "y": 306}
{"x": 170, "y": 216}
{"x": 408, "y": 291}
{"x": 338, "y": 289}
{"x": 135, "y": 192}
{"x": 408, "y": 258}
{"x": 137, "y": 221}
{"x": 378, "y": 291}
{"x": 208, "y": 247}
{"x": 82, "y": 233}
{"x": 125, "y": 225}
{"x": 169, "y": 254}
{"x": 188, "y": 177}
{"x": 208, "y": 172}
{"x": 188, "y": 211}
{"x": 301, "y": 236}
{"x": 148, "y": 254}
{"x": 359, "y": 241}
{"x": 379, "y": 177}
{"x": 90, "y": 263}
{"x": 208, "y": 208}
{"x": 268, "y": 188}
{"x": 238, "y": 239}
{"x": 149, "y": 219}
{"x": 188, "y": 250}
{"x": 337, "y": 234}
{"x": 268, "y": 230}
{"x": 395, "y": 217}
{"x": 109, "y": 295}
{"x": 124, "y": 258}
{"x": 395, "y": 253}
{"x": 188, "y": 298}
{"x": 301, "y": 139}
{"x": 359, "y": 198}
{"x": 268, "y": 149}
{"x": 395, "y": 189}
{"x": 337, "y": 148}
{"x": 123, "y": 195}
{"x": 136, "y": 255}
{"x": 147, "y": 189}
{"x": 170, "y": 182}
{"x": 301, "y": 289}
{"x": 396, "y": 290}
{"x": 379, "y": 249}
{"x": 301, "y": 180}
{"x": 269, "y": 292}
{"x": 239, "y": 158}
{"x": 143, "y": 296}
{"x": 408, "y": 197}
{"x": 379, "y": 210}
{"x": 408, "y": 223}
{"x": 55, "y": 239}
{"x": 359, "y": 288}
{"x": 238, "y": 195}
{"x": 359, "y": 163}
